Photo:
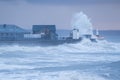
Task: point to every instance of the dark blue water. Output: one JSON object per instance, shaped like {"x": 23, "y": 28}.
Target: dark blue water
{"x": 111, "y": 35}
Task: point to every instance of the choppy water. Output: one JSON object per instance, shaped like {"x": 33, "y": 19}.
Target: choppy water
{"x": 81, "y": 61}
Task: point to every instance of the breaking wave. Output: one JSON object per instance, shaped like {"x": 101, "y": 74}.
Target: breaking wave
{"x": 62, "y": 62}
{"x": 80, "y": 61}
{"x": 84, "y": 46}
{"x": 55, "y": 76}
{"x": 83, "y": 51}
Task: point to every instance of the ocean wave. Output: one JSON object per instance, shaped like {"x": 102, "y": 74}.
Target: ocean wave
{"x": 84, "y": 46}
{"x": 70, "y": 75}
{"x": 62, "y": 62}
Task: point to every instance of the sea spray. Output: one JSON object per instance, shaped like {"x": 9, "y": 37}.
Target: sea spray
{"x": 63, "y": 62}
{"x": 81, "y": 61}
{"x": 83, "y": 46}
{"x": 82, "y": 22}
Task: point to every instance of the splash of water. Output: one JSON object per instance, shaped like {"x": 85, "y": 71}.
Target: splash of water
{"x": 82, "y": 22}
{"x": 84, "y": 46}
{"x": 28, "y": 62}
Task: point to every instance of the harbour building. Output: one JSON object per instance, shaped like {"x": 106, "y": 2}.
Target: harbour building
{"x": 47, "y": 31}
{"x": 11, "y": 32}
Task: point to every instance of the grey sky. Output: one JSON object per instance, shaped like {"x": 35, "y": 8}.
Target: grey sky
{"x": 104, "y": 14}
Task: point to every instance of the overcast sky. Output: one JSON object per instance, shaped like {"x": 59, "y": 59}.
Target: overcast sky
{"x": 104, "y": 14}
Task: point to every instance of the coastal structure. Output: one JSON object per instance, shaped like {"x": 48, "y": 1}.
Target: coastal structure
{"x": 41, "y": 34}
{"x": 10, "y": 32}
{"x": 46, "y": 31}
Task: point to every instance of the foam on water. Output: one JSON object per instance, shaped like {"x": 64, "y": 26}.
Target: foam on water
{"x": 62, "y": 62}
{"x": 84, "y": 46}
{"x": 80, "y": 61}
{"x": 54, "y": 76}
{"x": 83, "y": 51}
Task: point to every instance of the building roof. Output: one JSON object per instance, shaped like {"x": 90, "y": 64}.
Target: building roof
{"x": 37, "y": 28}
{"x": 8, "y": 28}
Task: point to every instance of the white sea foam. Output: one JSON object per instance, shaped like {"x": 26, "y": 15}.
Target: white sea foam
{"x": 28, "y": 62}
{"x": 82, "y": 22}
{"x": 69, "y": 75}
{"x": 79, "y": 61}
{"x": 60, "y": 52}
{"x": 84, "y": 46}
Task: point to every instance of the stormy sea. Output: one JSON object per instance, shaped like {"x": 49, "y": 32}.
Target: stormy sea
{"x": 81, "y": 61}
{"x": 84, "y": 60}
